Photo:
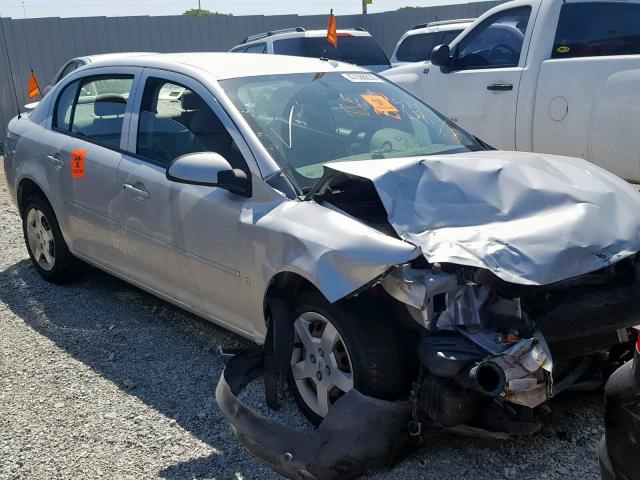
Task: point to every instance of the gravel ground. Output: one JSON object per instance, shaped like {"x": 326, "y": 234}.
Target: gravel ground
{"x": 101, "y": 380}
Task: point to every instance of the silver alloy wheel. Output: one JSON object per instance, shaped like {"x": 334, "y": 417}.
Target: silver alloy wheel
{"x": 320, "y": 362}
{"x": 40, "y": 238}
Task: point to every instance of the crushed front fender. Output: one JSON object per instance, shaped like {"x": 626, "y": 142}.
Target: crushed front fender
{"x": 360, "y": 433}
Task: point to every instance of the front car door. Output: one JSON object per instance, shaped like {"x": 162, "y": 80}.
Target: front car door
{"x": 480, "y": 90}
{"x": 82, "y": 151}
{"x": 184, "y": 242}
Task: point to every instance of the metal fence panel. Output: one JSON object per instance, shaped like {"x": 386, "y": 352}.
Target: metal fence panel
{"x": 45, "y": 44}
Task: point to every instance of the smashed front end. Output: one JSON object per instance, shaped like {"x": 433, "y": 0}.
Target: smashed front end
{"x": 525, "y": 283}
{"x": 492, "y": 353}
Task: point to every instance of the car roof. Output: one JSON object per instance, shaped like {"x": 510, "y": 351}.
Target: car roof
{"x": 439, "y": 27}
{"x": 299, "y": 32}
{"x": 223, "y": 65}
{"x": 111, "y": 56}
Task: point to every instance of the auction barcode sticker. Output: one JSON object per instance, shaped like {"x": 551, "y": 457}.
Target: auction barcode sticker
{"x": 362, "y": 78}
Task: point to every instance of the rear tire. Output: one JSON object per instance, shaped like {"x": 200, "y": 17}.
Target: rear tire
{"x": 47, "y": 249}
{"x": 343, "y": 348}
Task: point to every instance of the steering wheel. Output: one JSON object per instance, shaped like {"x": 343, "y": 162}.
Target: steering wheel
{"x": 501, "y": 46}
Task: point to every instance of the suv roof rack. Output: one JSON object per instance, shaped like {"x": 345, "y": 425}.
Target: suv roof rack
{"x": 270, "y": 33}
{"x": 443, "y": 22}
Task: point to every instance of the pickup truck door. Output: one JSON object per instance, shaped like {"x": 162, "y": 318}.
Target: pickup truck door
{"x": 587, "y": 101}
{"x": 479, "y": 89}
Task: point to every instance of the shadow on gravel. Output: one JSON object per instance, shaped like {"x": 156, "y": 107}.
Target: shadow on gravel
{"x": 164, "y": 356}
{"x": 169, "y": 360}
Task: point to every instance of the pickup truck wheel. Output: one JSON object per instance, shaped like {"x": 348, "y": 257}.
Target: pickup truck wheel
{"x": 335, "y": 351}
{"x": 46, "y": 246}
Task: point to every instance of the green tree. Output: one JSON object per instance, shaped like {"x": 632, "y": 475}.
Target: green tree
{"x": 198, "y": 12}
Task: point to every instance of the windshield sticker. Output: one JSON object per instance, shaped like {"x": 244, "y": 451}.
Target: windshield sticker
{"x": 382, "y": 106}
{"x": 77, "y": 163}
{"x": 563, "y": 49}
{"x": 362, "y": 78}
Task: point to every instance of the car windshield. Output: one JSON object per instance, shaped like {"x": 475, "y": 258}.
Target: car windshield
{"x": 307, "y": 120}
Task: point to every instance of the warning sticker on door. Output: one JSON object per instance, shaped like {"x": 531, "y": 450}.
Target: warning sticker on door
{"x": 77, "y": 163}
{"x": 381, "y": 105}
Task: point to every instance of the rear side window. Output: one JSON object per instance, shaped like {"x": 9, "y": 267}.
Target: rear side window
{"x": 358, "y": 50}
{"x": 417, "y": 48}
{"x": 256, "y": 48}
{"x": 96, "y": 109}
{"x": 170, "y": 126}
{"x": 597, "y": 29}
{"x": 69, "y": 67}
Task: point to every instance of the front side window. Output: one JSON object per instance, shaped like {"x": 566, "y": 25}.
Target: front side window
{"x": 307, "y": 120}
{"x": 496, "y": 42}
{"x": 597, "y": 29}
{"x": 355, "y": 49}
{"x": 171, "y": 125}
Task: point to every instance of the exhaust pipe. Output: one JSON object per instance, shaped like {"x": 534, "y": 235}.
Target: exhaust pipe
{"x": 484, "y": 377}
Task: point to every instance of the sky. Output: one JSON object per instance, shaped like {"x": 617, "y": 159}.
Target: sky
{"x": 79, "y": 8}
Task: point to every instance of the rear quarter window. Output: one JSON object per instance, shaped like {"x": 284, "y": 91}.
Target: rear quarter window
{"x": 597, "y": 29}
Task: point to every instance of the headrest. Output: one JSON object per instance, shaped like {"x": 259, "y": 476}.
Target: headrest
{"x": 190, "y": 101}
{"x": 205, "y": 123}
{"x": 109, "y": 104}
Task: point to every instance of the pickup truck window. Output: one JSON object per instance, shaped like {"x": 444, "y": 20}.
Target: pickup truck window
{"x": 597, "y": 29}
{"x": 496, "y": 42}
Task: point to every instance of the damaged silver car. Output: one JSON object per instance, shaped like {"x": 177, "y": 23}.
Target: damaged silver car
{"x": 367, "y": 241}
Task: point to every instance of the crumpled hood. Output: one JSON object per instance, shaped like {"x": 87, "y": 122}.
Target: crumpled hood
{"x": 529, "y": 218}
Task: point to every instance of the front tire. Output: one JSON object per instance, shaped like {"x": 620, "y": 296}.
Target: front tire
{"x": 47, "y": 249}
{"x": 336, "y": 350}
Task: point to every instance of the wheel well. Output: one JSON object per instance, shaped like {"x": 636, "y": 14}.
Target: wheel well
{"x": 26, "y": 188}
{"x": 287, "y": 286}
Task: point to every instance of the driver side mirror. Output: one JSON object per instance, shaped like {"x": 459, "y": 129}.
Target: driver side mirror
{"x": 441, "y": 57}
{"x": 209, "y": 169}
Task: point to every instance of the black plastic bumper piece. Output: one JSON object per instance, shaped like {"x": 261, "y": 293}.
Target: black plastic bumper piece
{"x": 359, "y": 434}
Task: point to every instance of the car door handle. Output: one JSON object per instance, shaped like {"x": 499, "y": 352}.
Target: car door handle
{"x": 57, "y": 162}
{"x": 500, "y": 87}
{"x": 136, "y": 192}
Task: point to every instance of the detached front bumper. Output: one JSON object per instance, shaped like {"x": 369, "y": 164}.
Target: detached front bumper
{"x": 359, "y": 434}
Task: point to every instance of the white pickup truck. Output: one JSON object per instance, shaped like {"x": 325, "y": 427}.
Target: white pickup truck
{"x": 549, "y": 76}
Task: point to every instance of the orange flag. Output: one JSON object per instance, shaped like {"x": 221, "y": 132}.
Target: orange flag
{"x": 34, "y": 88}
{"x": 332, "y": 33}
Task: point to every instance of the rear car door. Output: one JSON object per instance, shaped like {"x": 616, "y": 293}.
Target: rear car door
{"x": 480, "y": 91}
{"x": 82, "y": 150}
{"x": 184, "y": 241}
